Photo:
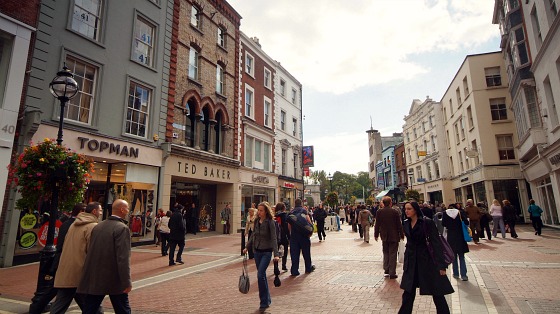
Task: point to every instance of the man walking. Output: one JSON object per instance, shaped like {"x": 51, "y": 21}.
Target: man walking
{"x": 388, "y": 224}
{"x": 107, "y": 266}
{"x": 320, "y": 214}
{"x": 176, "y": 237}
{"x": 474, "y": 213}
{"x": 225, "y": 215}
{"x": 300, "y": 242}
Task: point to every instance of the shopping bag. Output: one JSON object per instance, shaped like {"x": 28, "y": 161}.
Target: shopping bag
{"x": 244, "y": 283}
{"x": 467, "y": 233}
{"x": 400, "y": 252}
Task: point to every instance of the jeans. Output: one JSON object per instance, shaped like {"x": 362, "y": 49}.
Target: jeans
{"x": 512, "y": 231}
{"x": 64, "y": 298}
{"x": 172, "y": 245}
{"x": 164, "y": 243}
{"x": 262, "y": 260}
{"x": 537, "y": 224}
{"x": 321, "y": 229}
{"x": 462, "y": 265}
{"x": 498, "y": 220}
{"x": 285, "y": 255}
{"x": 408, "y": 303}
{"x": 299, "y": 242}
{"x": 119, "y": 302}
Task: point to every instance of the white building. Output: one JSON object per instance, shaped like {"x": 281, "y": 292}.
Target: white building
{"x": 377, "y": 144}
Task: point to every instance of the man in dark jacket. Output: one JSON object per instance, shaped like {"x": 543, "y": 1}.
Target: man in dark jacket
{"x": 300, "y": 242}
{"x": 176, "y": 236}
{"x": 388, "y": 225}
{"x": 319, "y": 215}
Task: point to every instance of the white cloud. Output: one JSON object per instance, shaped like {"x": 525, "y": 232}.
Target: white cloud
{"x": 338, "y": 46}
{"x": 343, "y": 152}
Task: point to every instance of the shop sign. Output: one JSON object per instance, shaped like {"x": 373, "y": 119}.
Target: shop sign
{"x": 555, "y": 159}
{"x": 28, "y": 221}
{"x": 260, "y": 179}
{"x": 107, "y": 147}
{"x": 43, "y": 232}
{"x": 289, "y": 185}
{"x": 27, "y": 240}
{"x": 433, "y": 186}
{"x": 208, "y": 172}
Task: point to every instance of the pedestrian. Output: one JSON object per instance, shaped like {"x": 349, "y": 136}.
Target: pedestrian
{"x": 159, "y": 215}
{"x": 453, "y": 220}
{"x": 485, "y": 219}
{"x": 420, "y": 270}
{"x": 264, "y": 243}
{"x": 72, "y": 259}
{"x": 164, "y": 233}
{"x": 225, "y": 216}
{"x": 354, "y": 216}
{"x": 284, "y": 241}
{"x": 497, "y": 218}
{"x": 107, "y": 266}
{"x": 365, "y": 219}
{"x": 474, "y": 213}
{"x": 510, "y": 217}
{"x": 176, "y": 237}
{"x": 300, "y": 243}
{"x": 194, "y": 218}
{"x": 535, "y": 213}
{"x": 342, "y": 214}
{"x": 427, "y": 211}
{"x": 388, "y": 225}
{"x": 320, "y": 214}
{"x": 250, "y": 226}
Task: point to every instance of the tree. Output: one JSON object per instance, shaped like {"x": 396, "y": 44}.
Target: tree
{"x": 370, "y": 201}
{"x": 332, "y": 199}
{"x": 353, "y": 199}
{"x": 310, "y": 201}
{"x": 412, "y": 194}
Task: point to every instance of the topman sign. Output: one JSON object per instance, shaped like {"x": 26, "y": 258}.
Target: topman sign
{"x": 108, "y": 148}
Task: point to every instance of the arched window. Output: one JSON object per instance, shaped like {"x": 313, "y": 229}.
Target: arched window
{"x": 190, "y": 123}
{"x": 204, "y": 129}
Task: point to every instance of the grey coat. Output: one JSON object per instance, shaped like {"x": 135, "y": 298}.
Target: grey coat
{"x": 264, "y": 237}
{"x": 107, "y": 265}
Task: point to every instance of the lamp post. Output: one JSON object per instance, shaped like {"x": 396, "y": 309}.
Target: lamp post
{"x": 64, "y": 88}
{"x": 329, "y": 177}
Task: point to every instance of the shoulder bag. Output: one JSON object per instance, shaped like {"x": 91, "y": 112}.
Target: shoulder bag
{"x": 244, "y": 283}
{"x": 447, "y": 251}
{"x": 467, "y": 233}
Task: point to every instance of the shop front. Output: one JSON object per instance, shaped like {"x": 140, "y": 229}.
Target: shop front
{"x": 203, "y": 188}
{"x": 439, "y": 192}
{"x": 123, "y": 170}
{"x": 256, "y": 187}
{"x": 289, "y": 191}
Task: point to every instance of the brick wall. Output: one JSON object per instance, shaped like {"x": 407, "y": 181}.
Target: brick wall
{"x": 24, "y": 11}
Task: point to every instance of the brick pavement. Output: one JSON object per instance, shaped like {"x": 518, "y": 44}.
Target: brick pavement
{"x": 505, "y": 276}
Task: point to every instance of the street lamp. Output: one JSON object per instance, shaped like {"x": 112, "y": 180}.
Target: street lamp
{"x": 330, "y": 180}
{"x": 64, "y": 88}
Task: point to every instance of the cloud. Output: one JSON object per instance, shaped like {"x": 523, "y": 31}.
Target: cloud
{"x": 345, "y": 152}
{"x": 339, "y": 46}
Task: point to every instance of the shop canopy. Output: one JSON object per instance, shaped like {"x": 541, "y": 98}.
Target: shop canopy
{"x": 381, "y": 194}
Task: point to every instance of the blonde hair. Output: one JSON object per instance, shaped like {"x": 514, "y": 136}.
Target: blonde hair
{"x": 268, "y": 209}
{"x": 496, "y": 202}
{"x": 252, "y": 210}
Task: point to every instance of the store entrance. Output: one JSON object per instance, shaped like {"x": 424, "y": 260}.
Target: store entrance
{"x": 202, "y": 216}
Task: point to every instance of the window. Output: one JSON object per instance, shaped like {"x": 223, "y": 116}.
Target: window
{"x": 249, "y": 101}
{"x": 458, "y": 94}
{"x": 415, "y": 134}
{"x": 436, "y": 169}
{"x": 553, "y": 7}
{"x": 283, "y": 120}
{"x": 267, "y": 107}
{"x": 466, "y": 158}
{"x": 536, "y": 27}
{"x": 419, "y": 172}
{"x": 86, "y": 18}
{"x": 80, "y": 107}
{"x": 498, "y": 109}
{"x": 193, "y": 64}
{"x": 267, "y": 78}
{"x": 423, "y": 127}
{"x": 296, "y": 163}
{"x": 282, "y": 87}
{"x": 258, "y": 151}
{"x": 431, "y": 121}
{"x": 221, "y": 37}
{"x": 448, "y": 140}
{"x": 444, "y": 114}
{"x": 433, "y": 138}
{"x": 450, "y": 106}
{"x": 429, "y": 170}
{"x": 552, "y": 110}
{"x": 248, "y": 151}
{"x": 370, "y": 150}
{"x": 143, "y": 49}
{"x": 470, "y": 117}
{"x": 457, "y": 138}
{"x": 510, "y": 5}
{"x": 249, "y": 64}
{"x": 493, "y": 77}
{"x": 294, "y": 122}
{"x": 451, "y": 165}
{"x": 294, "y": 96}
{"x": 466, "y": 87}
{"x": 474, "y": 147}
{"x": 283, "y": 162}
{"x": 519, "y": 48}
{"x": 195, "y": 17}
{"x": 266, "y": 156}
{"x": 408, "y": 136}
{"x": 520, "y": 117}
{"x": 505, "y": 147}
{"x": 461, "y": 165}
{"x": 426, "y": 146}
{"x": 139, "y": 99}
{"x": 462, "y": 124}
{"x": 219, "y": 79}
{"x": 409, "y": 156}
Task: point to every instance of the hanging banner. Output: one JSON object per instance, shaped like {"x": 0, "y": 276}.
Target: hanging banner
{"x": 308, "y": 156}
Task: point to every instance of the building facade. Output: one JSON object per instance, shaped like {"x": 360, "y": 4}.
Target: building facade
{"x": 401, "y": 168}
{"x": 424, "y": 145}
{"x": 377, "y": 144}
{"x": 258, "y": 181}
{"x": 288, "y": 141}
{"x": 530, "y": 48}
{"x": 480, "y": 134}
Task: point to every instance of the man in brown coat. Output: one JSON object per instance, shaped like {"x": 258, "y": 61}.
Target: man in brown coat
{"x": 474, "y": 213}
{"x": 388, "y": 224}
{"x": 107, "y": 265}
{"x": 72, "y": 259}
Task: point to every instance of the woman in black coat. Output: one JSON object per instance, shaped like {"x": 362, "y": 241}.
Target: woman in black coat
{"x": 420, "y": 270}
{"x": 454, "y": 224}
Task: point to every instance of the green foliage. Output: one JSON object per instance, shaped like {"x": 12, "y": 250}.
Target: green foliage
{"x": 310, "y": 201}
{"x": 40, "y": 165}
{"x": 353, "y": 199}
{"x": 412, "y": 194}
{"x": 370, "y": 200}
{"x": 332, "y": 199}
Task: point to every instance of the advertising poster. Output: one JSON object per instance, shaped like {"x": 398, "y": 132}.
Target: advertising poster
{"x": 308, "y": 156}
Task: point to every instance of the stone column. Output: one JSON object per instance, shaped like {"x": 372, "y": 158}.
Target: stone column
{"x": 197, "y": 129}
{"x": 211, "y": 132}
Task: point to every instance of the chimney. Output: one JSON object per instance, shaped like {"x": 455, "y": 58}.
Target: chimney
{"x": 256, "y": 40}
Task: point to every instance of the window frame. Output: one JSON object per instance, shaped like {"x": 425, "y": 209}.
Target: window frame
{"x": 100, "y": 33}
{"x": 294, "y": 95}
{"x": 267, "y": 82}
{"x": 282, "y": 87}
{"x": 93, "y": 101}
{"x": 505, "y": 153}
{"x": 197, "y": 17}
{"x": 283, "y": 120}
{"x": 267, "y": 110}
{"x": 498, "y": 109}
{"x": 221, "y": 39}
{"x": 220, "y": 82}
{"x": 196, "y": 66}
{"x": 295, "y": 125}
{"x": 140, "y": 18}
{"x": 151, "y": 91}
{"x": 251, "y": 114}
{"x": 492, "y": 79}
{"x": 249, "y": 69}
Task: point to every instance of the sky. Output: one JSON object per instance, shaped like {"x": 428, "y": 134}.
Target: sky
{"x": 363, "y": 62}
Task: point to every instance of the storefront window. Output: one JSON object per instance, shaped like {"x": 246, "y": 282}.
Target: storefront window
{"x": 550, "y": 212}
{"x": 480, "y": 192}
{"x": 507, "y": 190}
{"x": 458, "y": 196}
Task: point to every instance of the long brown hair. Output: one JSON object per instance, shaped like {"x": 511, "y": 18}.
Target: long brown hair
{"x": 268, "y": 209}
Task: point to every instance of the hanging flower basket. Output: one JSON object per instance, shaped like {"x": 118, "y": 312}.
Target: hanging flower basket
{"x": 39, "y": 166}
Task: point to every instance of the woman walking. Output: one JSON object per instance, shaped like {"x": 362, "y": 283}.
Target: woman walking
{"x": 535, "y": 212}
{"x": 453, "y": 220}
{"x": 164, "y": 232}
{"x": 250, "y": 226}
{"x": 264, "y": 243}
{"x": 420, "y": 270}
{"x": 510, "y": 218}
{"x": 364, "y": 220}
{"x": 497, "y": 218}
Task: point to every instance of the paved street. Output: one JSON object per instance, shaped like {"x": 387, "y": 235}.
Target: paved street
{"x": 505, "y": 276}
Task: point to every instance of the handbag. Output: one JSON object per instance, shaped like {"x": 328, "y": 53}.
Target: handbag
{"x": 244, "y": 283}
{"x": 447, "y": 251}
{"x": 400, "y": 252}
{"x": 277, "y": 282}
{"x": 467, "y": 233}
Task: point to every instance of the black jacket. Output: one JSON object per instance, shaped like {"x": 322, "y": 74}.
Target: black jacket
{"x": 418, "y": 262}
{"x": 176, "y": 226}
{"x": 285, "y": 232}
{"x": 320, "y": 214}
{"x": 455, "y": 236}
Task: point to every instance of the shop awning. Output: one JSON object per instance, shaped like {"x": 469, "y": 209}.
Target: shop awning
{"x": 381, "y": 194}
